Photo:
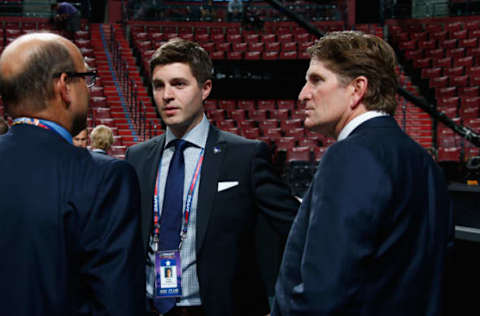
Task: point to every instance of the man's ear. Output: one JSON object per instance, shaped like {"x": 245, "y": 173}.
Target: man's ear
{"x": 62, "y": 89}
{"x": 206, "y": 89}
{"x": 359, "y": 86}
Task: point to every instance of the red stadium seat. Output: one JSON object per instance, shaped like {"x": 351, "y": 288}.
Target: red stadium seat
{"x": 422, "y": 62}
{"x": 454, "y": 26}
{"x": 266, "y": 104}
{"x": 218, "y": 38}
{"x": 442, "y": 62}
{"x": 251, "y": 133}
{"x": 468, "y": 42}
{"x": 246, "y": 124}
{"x": 267, "y": 124}
{"x": 446, "y": 92}
{"x": 234, "y": 55}
{"x": 456, "y": 52}
{"x": 449, "y": 43}
{"x": 302, "y": 37}
{"x": 459, "y": 35}
{"x": 286, "y": 104}
{"x": 280, "y": 114}
{"x": 234, "y": 38}
{"x": 258, "y": 115}
{"x": 420, "y": 36}
{"x": 288, "y": 46}
{"x": 428, "y": 73}
{"x": 414, "y": 54}
{"x": 285, "y": 143}
{"x": 252, "y": 38}
{"x": 274, "y": 133}
{"x": 449, "y": 154}
{"x": 448, "y": 102}
{"x": 285, "y": 38}
{"x": 439, "y": 82}
{"x": 454, "y": 71}
{"x": 216, "y": 115}
{"x": 227, "y": 105}
{"x": 463, "y": 61}
{"x": 432, "y": 28}
{"x": 238, "y": 115}
{"x": 469, "y": 91}
{"x": 302, "y": 153}
{"x": 440, "y": 36}
{"x": 270, "y": 55}
{"x": 430, "y": 44}
{"x": 459, "y": 81}
{"x": 288, "y": 55}
{"x": 252, "y": 55}
{"x": 246, "y": 104}
{"x": 298, "y": 132}
{"x": 256, "y": 47}
{"x": 272, "y": 46}
{"x": 239, "y": 47}
{"x": 222, "y": 46}
{"x": 218, "y": 55}
{"x": 435, "y": 53}
{"x": 210, "y": 104}
{"x": 269, "y": 38}
{"x": 224, "y": 124}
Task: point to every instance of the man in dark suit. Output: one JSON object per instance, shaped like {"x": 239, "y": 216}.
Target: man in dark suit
{"x": 375, "y": 229}
{"x": 69, "y": 229}
{"x": 220, "y": 274}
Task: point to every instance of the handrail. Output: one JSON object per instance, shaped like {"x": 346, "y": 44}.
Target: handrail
{"x": 129, "y": 88}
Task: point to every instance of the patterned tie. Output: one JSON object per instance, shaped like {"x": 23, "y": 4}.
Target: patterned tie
{"x": 171, "y": 218}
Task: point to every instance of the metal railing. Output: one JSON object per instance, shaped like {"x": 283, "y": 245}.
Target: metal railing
{"x": 136, "y": 106}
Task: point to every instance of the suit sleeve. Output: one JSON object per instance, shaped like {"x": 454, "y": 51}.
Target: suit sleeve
{"x": 345, "y": 210}
{"x": 273, "y": 197}
{"x": 112, "y": 268}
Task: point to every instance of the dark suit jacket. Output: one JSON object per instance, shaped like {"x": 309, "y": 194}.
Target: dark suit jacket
{"x": 230, "y": 283}
{"x": 373, "y": 232}
{"x": 69, "y": 229}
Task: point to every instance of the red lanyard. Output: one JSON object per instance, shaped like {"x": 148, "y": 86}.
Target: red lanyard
{"x": 188, "y": 203}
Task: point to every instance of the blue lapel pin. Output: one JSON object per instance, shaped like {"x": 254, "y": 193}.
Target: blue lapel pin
{"x": 216, "y": 150}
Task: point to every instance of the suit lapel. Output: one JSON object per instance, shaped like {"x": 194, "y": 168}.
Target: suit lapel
{"x": 214, "y": 151}
{"x": 152, "y": 162}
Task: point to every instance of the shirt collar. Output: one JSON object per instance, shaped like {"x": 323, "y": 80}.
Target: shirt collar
{"x": 197, "y": 135}
{"x": 348, "y": 129}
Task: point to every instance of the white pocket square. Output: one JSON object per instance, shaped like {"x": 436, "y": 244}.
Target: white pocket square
{"x": 226, "y": 185}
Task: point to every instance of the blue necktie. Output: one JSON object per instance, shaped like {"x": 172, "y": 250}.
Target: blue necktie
{"x": 171, "y": 218}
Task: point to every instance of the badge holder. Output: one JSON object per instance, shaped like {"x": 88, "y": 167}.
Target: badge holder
{"x": 168, "y": 274}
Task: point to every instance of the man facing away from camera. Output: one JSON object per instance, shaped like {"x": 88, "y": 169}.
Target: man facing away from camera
{"x": 69, "y": 233}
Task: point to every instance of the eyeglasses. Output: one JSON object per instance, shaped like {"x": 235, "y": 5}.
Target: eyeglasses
{"x": 89, "y": 76}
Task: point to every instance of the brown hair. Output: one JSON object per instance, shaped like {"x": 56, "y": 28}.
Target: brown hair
{"x": 350, "y": 54}
{"x": 178, "y": 50}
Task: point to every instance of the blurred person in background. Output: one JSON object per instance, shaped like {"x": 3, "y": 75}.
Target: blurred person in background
{"x": 81, "y": 139}
{"x": 101, "y": 139}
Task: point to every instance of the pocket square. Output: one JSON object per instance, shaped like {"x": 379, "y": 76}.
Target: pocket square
{"x": 226, "y": 185}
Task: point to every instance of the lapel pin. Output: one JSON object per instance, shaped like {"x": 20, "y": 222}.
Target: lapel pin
{"x": 216, "y": 150}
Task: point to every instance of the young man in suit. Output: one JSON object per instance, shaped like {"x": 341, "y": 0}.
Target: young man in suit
{"x": 375, "y": 229}
{"x": 69, "y": 230}
{"x": 227, "y": 182}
